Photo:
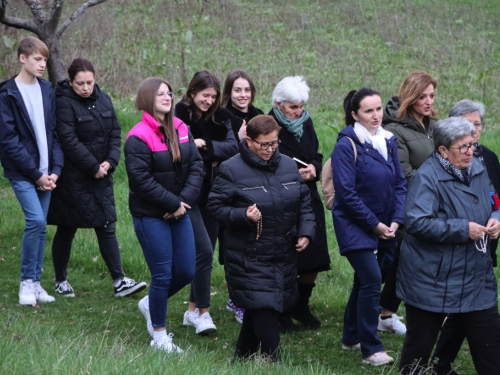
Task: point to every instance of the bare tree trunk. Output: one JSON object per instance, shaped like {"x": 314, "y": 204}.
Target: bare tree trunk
{"x": 46, "y": 28}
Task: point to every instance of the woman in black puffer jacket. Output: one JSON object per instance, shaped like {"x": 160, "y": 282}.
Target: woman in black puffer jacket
{"x": 265, "y": 206}
{"x": 89, "y": 134}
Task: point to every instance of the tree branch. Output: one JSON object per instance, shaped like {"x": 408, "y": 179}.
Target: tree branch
{"x": 55, "y": 15}
{"x": 37, "y": 11}
{"x": 15, "y": 22}
{"x": 75, "y": 15}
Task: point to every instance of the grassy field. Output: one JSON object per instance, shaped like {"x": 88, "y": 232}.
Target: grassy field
{"x": 337, "y": 46}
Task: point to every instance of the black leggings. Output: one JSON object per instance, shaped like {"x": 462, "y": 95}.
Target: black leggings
{"x": 108, "y": 246}
{"x": 260, "y": 327}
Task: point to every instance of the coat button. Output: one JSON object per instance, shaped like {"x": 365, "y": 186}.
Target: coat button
{"x": 476, "y": 201}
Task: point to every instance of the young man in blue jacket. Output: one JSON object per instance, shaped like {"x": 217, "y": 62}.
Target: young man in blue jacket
{"x": 31, "y": 157}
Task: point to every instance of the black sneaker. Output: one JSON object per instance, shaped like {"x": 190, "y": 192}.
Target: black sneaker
{"x": 63, "y": 289}
{"x": 128, "y": 286}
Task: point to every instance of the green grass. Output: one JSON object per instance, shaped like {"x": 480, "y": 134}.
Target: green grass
{"x": 337, "y": 46}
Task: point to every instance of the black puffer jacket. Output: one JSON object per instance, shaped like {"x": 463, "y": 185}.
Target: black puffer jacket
{"x": 89, "y": 134}
{"x": 221, "y": 143}
{"x": 157, "y": 184}
{"x": 261, "y": 274}
{"x": 239, "y": 117}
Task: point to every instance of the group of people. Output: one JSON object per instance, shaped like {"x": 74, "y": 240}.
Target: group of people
{"x": 415, "y": 206}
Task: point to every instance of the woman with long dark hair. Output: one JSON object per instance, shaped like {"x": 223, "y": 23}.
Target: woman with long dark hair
{"x": 213, "y": 135}
{"x": 164, "y": 172}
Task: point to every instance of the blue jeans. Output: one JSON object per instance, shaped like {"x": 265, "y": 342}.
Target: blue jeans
{"x": 168, "y": 246}
{"x": 35, "y": 205}
{"x": 362, "y": 310}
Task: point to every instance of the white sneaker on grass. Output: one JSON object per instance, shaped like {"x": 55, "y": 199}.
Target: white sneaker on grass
{"x": 41, "y": 295}
{"x": 377, "y": 359}
{"x": 392, "y": 324}
{"x": 144, "y": 308}
{"x": 27, "y": 293}
{"x": 203, "y": 323}
{"x": 63, "y": 289}
{"x": 166, "y": 344}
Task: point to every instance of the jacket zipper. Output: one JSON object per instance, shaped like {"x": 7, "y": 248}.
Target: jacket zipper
{"x": 289, "y": 183}
{"x": 257, "y": 187}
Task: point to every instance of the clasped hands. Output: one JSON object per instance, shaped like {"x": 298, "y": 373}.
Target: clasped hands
{"x": 46, "y": 182}
{"x": 492, "y": 229}
{"x": 103, "y": 170}
{"x": 181, "y": 211}
{"x": 384, "y": 232}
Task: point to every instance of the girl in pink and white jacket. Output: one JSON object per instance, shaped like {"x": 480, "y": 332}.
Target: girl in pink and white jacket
{"x": 165, "y": 172}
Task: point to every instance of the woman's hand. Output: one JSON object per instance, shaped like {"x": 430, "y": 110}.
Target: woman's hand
{"x": 242, "y": 133}
{"x": 476, "y": 230}
{"x": 181, "y": 211}
{"x": 302, "y": 243}
{"x": 493, "y": 228}
{"x": 309, "y": 173}
{"x": 105, "y": 165}
{"x": 394, "y": 227}
{"x": 101, "y": 173}
{"x": 384, "y": 232}
{"x": 199, "y": 142}
{"x": 253, "y": 213}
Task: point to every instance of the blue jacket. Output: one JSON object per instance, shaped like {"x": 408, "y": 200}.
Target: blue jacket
{"x": 367, "y": 192}
{"x": 18, "y": 148}
{"x": 440, "y": 269}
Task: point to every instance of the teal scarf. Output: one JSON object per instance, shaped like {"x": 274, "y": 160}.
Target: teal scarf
{"x": 295, "y": 127}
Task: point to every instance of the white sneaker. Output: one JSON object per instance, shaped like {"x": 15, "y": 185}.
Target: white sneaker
{"x": 27, "y": 293}
{"x": 392, "y": 324}
{"x": 144, "y": 308}
{"x": 203, "y": 322}
{"x": 166, "y": 344}
{"x": 41, "y": 295}
{"x": 377, "y": 359}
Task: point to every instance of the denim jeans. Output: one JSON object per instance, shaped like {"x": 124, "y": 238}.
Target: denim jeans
{"x": 200, "y": 286}
{"x": 168, "y": 246}
{"x": 35, "y": 205}
{"x": 362, "y": 310}
{"x": 108, "y": 246}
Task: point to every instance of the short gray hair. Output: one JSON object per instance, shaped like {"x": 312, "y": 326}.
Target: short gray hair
{"x": 466, "y": 106}
{"x": 448, "y": 131}
{"x": 290, "y": 90}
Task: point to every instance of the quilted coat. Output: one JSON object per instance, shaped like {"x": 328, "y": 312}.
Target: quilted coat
{"x": 440, "y": 269}
{"x": 89, "y": 134}
{"x": 261, "y": 273}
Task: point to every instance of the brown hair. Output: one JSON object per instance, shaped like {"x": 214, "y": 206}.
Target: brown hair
{"x": 261, "y": 124}
{"x": 228, "y": 86}
{"x": 413, "y": 86}
{"x": 202, "y": 80}
{"x": 31, "y": 45}
{"x": 146, "y": 101}
{"x": 79, "y": 65}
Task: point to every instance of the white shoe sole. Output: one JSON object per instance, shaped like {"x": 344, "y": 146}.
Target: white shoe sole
{"x": 135, "y": 289}
{"x": 145, "y": 312}
{"x": 378, "y": 364}
{"x": 27, "y": 301}
{"x": 206, "y": 330}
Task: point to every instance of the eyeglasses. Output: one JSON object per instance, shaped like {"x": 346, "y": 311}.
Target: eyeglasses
{"x": 478, "y": 125}
{"x": 465, "y": 148}
{"x": 266, "y": 145}
{"x": 163, "y": 94}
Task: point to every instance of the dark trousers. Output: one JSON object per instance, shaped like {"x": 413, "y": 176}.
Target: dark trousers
{"x": 108, "y": 246}
{"x": 449, "y": 343}
{"x": 260, "y": 327}
{"x": 388, "y": 298}
{"x": 362, "y": 310}
{"x": 482, "y": 329}
{"x": 203, "y": 224}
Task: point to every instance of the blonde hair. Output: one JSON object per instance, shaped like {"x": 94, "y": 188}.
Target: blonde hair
{"x": 413, "y": 86}
{"x": 146, "y": 101}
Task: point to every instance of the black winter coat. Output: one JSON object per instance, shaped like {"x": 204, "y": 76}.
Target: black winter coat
{"x": 221, "y": 142}
{"x": 89, "y": 134}
{"x": 261, "y": 273}
{"x": 315, "y": 257}
{"x": 239, "y": 117}
{"x": 157, "y": 184}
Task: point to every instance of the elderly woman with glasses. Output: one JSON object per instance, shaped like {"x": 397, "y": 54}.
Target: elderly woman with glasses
{"x": 262, "y": 200}
{"x": 299, "y": 141}
{"x": 452, "y": 335}
{"x": 445, "y": 268}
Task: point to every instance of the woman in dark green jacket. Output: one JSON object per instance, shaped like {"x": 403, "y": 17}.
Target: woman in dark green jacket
{"x": 409, "y": 116}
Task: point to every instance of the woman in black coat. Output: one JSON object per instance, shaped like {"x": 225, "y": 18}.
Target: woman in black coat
{"x": 211, "y": 128}
{"x": 89, "y": 134}
{"x": 299, "y": 141}
{"x": 265, "y": 205}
